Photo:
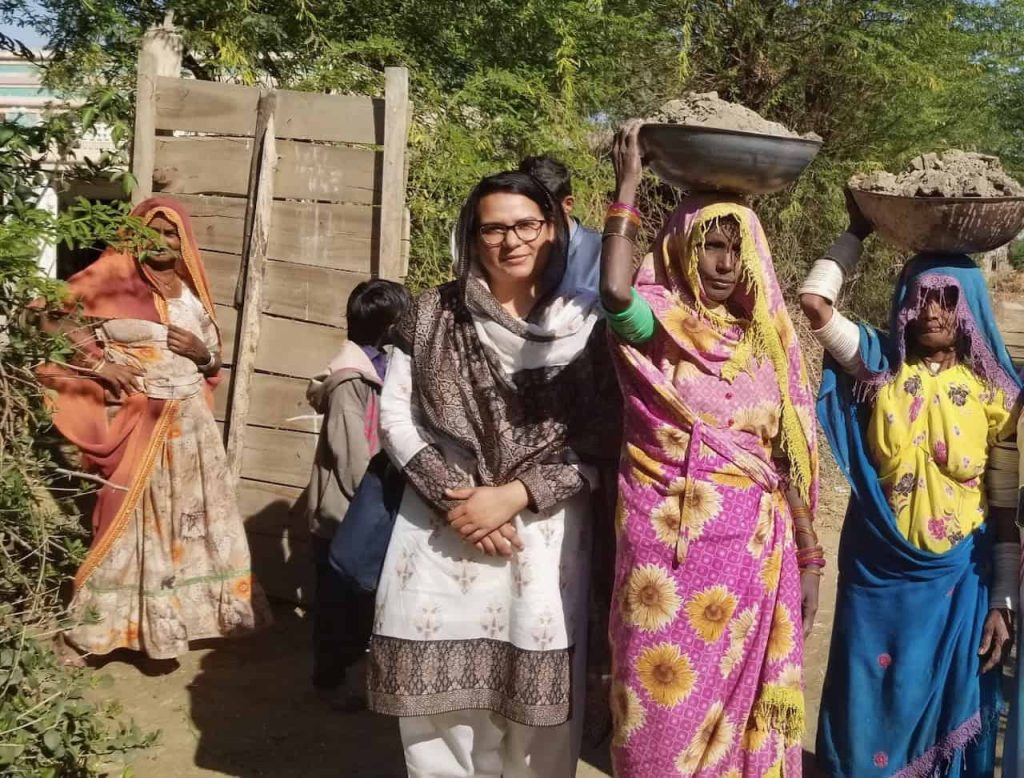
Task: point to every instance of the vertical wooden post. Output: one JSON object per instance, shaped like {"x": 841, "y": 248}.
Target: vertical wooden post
{"x": 159, "y": 55}
{"x": 392, "y": 198}
{"x": 254, "y": 260}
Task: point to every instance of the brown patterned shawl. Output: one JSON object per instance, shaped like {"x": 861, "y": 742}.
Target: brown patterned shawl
{"x": 518, "y": 423}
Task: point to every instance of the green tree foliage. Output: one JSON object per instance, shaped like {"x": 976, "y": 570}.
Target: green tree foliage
{"x": 493, "y": 80}
{"x": 46, "y": 725}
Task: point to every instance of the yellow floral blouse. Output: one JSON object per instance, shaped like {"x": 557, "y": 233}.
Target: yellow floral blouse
{"x": 929, "y": 437}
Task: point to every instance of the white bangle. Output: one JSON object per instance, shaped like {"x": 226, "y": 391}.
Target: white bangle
{"x": 210, "y": 363}
{"x": 840, "y": 337}
{"x": 824, "y": 280}
{"x": 1006, "y": 564}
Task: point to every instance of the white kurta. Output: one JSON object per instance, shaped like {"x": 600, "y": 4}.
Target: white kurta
{"x": 483, "y": 656}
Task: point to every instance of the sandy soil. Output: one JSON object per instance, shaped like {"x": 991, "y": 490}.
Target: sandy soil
{"x": 246, "y": 708}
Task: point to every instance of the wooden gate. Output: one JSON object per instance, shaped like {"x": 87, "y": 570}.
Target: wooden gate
{"x": 295, "y": 198}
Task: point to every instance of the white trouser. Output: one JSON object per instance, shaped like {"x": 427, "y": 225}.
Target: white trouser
{"x": 484, "y": 744}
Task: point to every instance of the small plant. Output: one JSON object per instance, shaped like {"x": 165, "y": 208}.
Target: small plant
{"x": 47, "y": 727}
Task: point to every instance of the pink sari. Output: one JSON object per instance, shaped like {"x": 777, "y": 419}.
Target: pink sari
{"x": 706, "y": 620}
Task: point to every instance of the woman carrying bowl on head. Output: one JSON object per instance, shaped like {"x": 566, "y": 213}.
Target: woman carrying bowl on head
{"x": 928, "y": 560}
{"x": 717, "y": 566}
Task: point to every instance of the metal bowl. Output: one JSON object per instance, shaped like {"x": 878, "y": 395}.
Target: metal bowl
{"x": 707, "y": 159}
{"x": 944, "y": 225}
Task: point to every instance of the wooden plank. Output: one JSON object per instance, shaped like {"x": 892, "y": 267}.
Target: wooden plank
{"x": 227, "y": 320}
{"x": 222, "y": 273}
{"x": 392, "y": 200}
{"x": 306, "y": 171}
{"x": 339, "y": 174}
{"x": 324, "y": 235}
{"x": 159, "y": 55}
{"x": 283, "y": 565}
{"x": 338, "y": 118}
{"x": 220, "y": 395}
{"x": 269, "y": 509}
{"x": 275, "y": 400}
{"x": 206, "y": 106}
{"x": 318, "y": 234}
{"x": 406, "y": 242}
{"x": 202, "y": 165}
{"x": 261, "y": 195}
{"x": 1013, "y": 339}
{"x": 278, "y": 456}
{"x": 315, "y": 294}
{"x": 287, "y": 347}
{"x": 296, "y": 348}
{"x": 217, "y": 222}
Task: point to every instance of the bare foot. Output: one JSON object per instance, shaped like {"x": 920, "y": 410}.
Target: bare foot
{"x": 67, "y": 655}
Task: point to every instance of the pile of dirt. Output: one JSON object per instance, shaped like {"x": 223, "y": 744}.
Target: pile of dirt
{"x": 953, "y": 173}
{"x": 709, "y": 110}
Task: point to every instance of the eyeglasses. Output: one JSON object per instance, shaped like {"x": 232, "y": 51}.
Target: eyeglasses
{"x": 527, "y": 230}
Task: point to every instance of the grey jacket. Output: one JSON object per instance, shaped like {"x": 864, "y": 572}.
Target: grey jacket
{"x": 348, "y": 400}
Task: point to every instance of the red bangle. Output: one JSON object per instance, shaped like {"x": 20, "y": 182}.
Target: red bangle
{"x": 624, "y": 206}
{"x": 624, "y": 211}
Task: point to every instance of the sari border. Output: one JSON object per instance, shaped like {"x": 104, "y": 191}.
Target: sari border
{"x": 99, "y": 552}
{"x": 944, "y": 750}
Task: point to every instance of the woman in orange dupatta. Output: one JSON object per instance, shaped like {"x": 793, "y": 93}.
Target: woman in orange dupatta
{"x": 169, "y": 562}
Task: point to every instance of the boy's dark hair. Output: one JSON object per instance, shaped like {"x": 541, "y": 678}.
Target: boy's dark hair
{"x": 550, "y": 172}
{"x": 373, "y": 307}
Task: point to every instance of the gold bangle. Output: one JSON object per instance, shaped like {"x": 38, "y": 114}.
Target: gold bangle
{"x": 812, "y": 570}
{"x": 621, "y": 227}
{"x": 619, "y": 213}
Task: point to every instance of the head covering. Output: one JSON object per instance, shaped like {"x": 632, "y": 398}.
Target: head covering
{"x": 118, "y": 286}
{"x": 722, "y": 343}
{"x": 941, "y": 599}
{"x": 704, "y": 515}
{"x": 984, "y": 350}
{"x": 513, "y": 393}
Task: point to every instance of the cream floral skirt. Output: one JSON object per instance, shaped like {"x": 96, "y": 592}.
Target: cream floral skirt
{"x": 180, "y": 570}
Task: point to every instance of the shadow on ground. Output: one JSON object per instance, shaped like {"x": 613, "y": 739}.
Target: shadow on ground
{"x": 256, "y": 714}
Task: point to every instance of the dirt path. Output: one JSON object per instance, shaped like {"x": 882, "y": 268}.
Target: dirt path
{"x": 247, "y": 709}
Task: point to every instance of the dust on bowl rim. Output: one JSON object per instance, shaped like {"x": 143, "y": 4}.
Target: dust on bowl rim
{"x": 950, "y": 225}
{"x": 715, "y": 159}
{"x": 817, "y": 142}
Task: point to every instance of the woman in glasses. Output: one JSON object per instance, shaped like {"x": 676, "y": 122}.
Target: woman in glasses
{"x": 498, "y": 393}
{"x": 918, "y": 419}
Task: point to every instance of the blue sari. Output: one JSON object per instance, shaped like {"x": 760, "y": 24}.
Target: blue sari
{"x": 904, "y": 695}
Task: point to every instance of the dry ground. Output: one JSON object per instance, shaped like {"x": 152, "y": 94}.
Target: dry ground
{"x": 246, "y": 708}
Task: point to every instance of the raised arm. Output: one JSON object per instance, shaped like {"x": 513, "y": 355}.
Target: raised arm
{"x": 617, "y": 246}
{"x": 820, "y": 290}
{"x": 628, "y": 314}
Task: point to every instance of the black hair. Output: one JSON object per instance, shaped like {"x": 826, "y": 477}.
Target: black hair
{"x": 510, "y": 182}
{"x": 550, "y": 172}
{"x": 373, "y": 308}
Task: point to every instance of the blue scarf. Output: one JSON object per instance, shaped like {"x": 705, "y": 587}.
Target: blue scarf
{"x": 903, "y": 692}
